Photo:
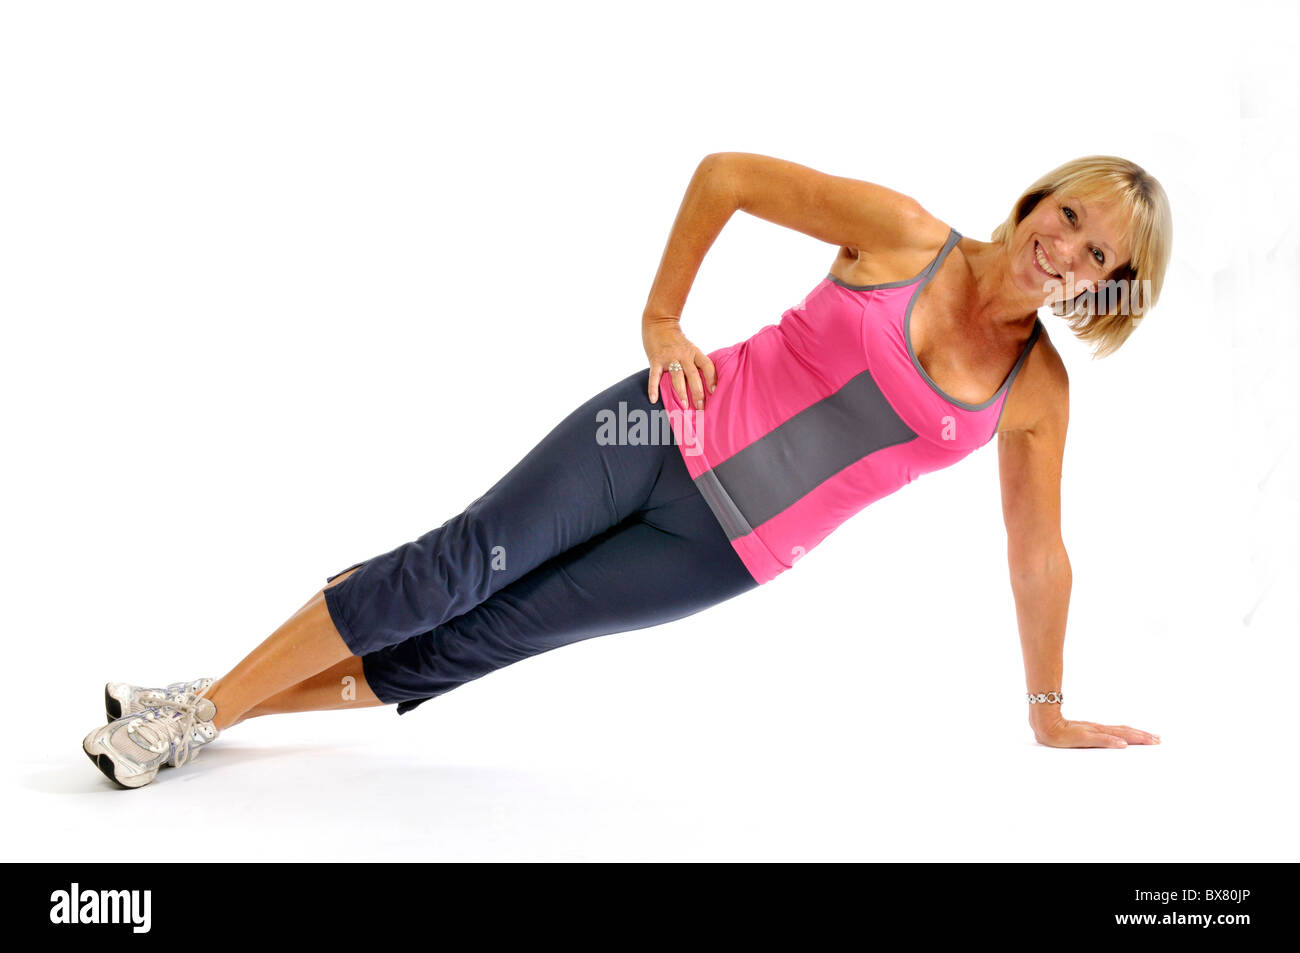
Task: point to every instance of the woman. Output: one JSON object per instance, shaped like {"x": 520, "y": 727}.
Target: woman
{"x": 627, "y": 515}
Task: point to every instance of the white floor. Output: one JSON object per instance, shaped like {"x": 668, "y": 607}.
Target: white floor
{"x": 410, "y": 796}
{"x": 613, "y": 750}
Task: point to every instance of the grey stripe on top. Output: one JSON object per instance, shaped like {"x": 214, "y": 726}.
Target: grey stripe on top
{"x": 790, "y": 461}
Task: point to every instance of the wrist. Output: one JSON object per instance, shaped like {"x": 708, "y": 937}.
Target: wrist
{"x": 650, "y": 318}
{"x": 1045, "y": 716}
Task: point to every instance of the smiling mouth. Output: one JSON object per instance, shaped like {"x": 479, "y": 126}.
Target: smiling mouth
{"x": 1040, "y": 258}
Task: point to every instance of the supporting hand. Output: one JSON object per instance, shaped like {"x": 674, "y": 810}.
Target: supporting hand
{"x": 1056, "y": 732}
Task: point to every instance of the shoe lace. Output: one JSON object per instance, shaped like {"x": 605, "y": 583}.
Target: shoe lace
{"x": 158, "y": 726}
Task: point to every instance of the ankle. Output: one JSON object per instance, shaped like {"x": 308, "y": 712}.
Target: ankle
{"x": 228, "y": 713}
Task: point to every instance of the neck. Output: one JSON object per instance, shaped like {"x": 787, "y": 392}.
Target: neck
{"x": 997, "y": 299}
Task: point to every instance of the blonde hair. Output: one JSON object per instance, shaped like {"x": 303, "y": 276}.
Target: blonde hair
{"x": 1102, "y": 318}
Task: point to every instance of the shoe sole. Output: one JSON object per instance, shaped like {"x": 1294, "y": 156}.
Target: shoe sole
{"x": 109, "y": 770}
{"x": 112, "y": 706}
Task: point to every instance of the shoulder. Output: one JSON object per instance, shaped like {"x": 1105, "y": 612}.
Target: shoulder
{"x": 916, "y": 232}
{"x": 925, "y": 231}
{"x": 1039, "y": 398}
{"x": 912, "y": 240}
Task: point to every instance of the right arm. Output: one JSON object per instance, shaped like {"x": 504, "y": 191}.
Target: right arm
{"x": 840, "y": 211}
{"x": 1030, "y": 455}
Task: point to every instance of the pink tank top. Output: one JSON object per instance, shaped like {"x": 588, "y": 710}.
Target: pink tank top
{"x": 818, "y": 416}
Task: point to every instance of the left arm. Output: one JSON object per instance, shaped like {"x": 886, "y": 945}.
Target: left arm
{"x": 1029, "y": 463}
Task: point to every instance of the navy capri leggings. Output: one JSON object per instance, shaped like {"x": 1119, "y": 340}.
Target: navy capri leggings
{"x": 583, "y": 537}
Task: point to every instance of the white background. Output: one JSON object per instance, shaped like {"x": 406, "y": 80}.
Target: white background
{"x": 284, "y": 285}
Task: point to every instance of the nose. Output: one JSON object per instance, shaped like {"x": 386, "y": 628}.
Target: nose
{"x": 1067, "y": 252}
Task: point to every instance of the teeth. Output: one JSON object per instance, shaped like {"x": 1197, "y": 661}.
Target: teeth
{"x": 1043, "y": 262}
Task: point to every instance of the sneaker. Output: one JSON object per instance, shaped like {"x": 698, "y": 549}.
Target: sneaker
{"x": 131, "y": 749}
{"x": 121, "y": 699}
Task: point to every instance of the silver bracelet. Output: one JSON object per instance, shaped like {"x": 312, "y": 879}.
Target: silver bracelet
{"x": 1049, "y": 698}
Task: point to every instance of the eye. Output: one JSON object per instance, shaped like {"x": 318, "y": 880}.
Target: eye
{"x": 1069, "y": 212}
{"x": 1099, "y": 255}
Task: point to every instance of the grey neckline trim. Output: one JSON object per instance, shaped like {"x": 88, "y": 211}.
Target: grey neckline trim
{"x": 953, "y": 237}
{"x": 1033, "y": 336}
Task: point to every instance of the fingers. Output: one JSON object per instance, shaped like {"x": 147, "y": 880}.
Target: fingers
{"x": 700, "y": 374}
{"x": 1103, "y": 739}
{"x": 1133, "y": 736}
{"x": 1105, "y": 736}
{"x": 696, "y": 377}
{"x": 1077, "y": 735}
{"x": 678, "y": 378}
{"x": 696, "y": 384}
{"x": 679, "y": 384}
{"x": 710, "y": 374}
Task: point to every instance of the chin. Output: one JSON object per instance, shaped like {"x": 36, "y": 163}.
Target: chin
{"x": 1041, "y": 286}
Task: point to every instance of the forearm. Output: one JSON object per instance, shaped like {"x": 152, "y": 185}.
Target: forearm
{"x": 1041, "y": 585}
{"x": 707, "y": 206}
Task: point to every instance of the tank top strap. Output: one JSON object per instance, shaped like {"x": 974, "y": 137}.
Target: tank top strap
{"x": 922, "y": 276}
{"x": 954, "y": 237}
{"x": 1024, "y": 354}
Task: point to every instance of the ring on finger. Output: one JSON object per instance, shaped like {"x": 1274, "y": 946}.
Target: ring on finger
{"x": 675, "y": 366}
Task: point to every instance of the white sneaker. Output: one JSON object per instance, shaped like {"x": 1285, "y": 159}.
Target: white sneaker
{"x": 131, "y": 749}
{"x": 121, "y": 699}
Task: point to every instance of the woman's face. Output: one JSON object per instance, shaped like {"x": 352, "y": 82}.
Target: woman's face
{"x": 1068, "y": 245}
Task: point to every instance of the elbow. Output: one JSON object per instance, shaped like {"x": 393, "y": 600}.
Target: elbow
{"x": 718, "y": 173}
{"x": 715, "y": 163}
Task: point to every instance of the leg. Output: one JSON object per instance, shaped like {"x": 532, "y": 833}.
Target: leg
{"x": 569, "y": 488}
{"x": 551, "y": 599}
{"x": 671, "y": 561}
{"x": 341, "y": 686}
{"x": 574, "y": 485}
{"x": 304, "y": 646}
